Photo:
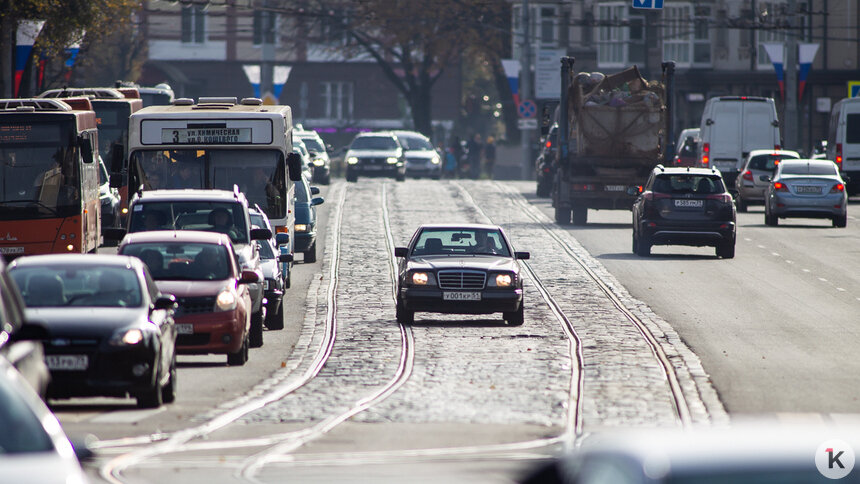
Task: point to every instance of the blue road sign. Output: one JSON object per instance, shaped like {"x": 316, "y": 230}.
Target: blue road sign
{"x": 651, "y": 4}
{"x": 853, "y": 88}
{"x": 527, "y": 109}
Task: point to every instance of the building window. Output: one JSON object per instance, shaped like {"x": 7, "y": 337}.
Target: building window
{"x": 702, "y": 37}
{"x": 677, "y": 34}
{"x": 337, "y": 100}
{"x": 193, "y": 24}
{"x": 333, "y": 29}
{"x": 265, "y": 27}
{"x": 548, "y": 25}
{"x": 611, "y": 48}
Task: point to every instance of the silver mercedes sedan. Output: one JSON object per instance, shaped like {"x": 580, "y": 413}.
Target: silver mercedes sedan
{"x": 806, "y": 188}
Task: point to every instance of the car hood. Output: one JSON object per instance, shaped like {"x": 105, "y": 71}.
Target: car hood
{"x": 372, "y": 153}
{"x": 424, "y": 154}
{"x": 476, "y": 262}
{"x": 192, "y": 288}
{"x": 270, "y": 268}
{"x": 85, "y": 321}
{"x": 42, "y": 468}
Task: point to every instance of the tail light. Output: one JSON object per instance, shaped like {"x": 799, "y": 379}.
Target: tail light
{"x": 780, "y": 187}
{"x": 777, "y": 147}
{"x": 548, "y": 144}
{"x": 838, "y": 188}
{"x": 706, "y": 154}
{"x": 651, "y": 196}
{"x": 721, "y": 197}
{"x": 839, "y": 155}
{"x": 747, "y": 175}
{"x": 583, "y": 187}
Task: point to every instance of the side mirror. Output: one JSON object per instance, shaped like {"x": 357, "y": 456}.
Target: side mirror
{"x": 317, "y": 201}
{"x": 113, "y": 233}
{"x": 86, "y": 146}
{"x": 30, "y": 331}
{"x": 522, "y": 255}
{"x": 401, "y": 251}
{"x": 261, "y": 234}
{"x": 116, "y": 158}
{"x": 116, "y": 180}
{"x": 329, "y": 148}
{"x": 709, "y": 122}
{"x": 634, "y": 191}
{"x": 294, "y": 164}
{"x": 285, "y": 258}
{"x": 249, "y": 277}
{"x": 315, "y": 190}
{"x": 165, "y": 302}
{"x": 282, "y": 238}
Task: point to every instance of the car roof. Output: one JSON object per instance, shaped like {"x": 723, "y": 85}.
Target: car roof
{"x": 76, "y": 259}
{"x": 403, "y": 132}
{"x": 774, "y": 152}
{"x": 809, "y": 161}
{"x": 181, "y": 236}
{"x": 381, "y": 134}
{"x": 680, "y": 170}
{"x": 190, "y": 194}
{"x": 459, "y": 226}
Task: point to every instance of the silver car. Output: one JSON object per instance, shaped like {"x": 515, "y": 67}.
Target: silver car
{"x": 806, "y": 188}
{"x": 755, "y": 173}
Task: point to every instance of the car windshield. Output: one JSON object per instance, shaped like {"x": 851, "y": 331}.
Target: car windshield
{"x": 458, "y": 241}
{"x": 266, "y": 251}
{"x": 22, "y": 431}
{"x": 302, "y": 193}
{"x": 687, "y": 184}
{"x": 415, "y": 143}
{"x": 186, "y": 261}
{"x": 767, "y": 162}
{"x": 809, "y": 169}
{"x": 88, "y": 285}
{"x": 374, "y": 143}
{"x": 224, "y": 217}
{"x": 313, "y": 144}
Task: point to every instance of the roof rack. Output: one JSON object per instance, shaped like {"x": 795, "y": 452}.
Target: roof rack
{"x": 97, "y": 92}
{"x": 183, "y": 101}
{"x": 660, "y": 167}
{"x": 36, "y": 104}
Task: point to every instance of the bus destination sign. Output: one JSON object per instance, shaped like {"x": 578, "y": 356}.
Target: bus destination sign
{"x": 215, "y": 136}
{"x": 29, "y": 133}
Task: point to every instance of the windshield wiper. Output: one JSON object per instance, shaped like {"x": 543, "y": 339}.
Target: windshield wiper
{"x": 33, "y": 202}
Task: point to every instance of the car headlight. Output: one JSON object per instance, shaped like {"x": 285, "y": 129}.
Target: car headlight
{"x": 435, "y": 160}
{"x": 422, "y": 278}
{"x": 319, "y": 162}
{"x": 128, "y": 337}
{"x": 301, "y": 227}
{"x": 226, "y": 300}
{"x": 502, "y": 280}
{"x": 392, "y": 160}
{"x": 352, "y": 160}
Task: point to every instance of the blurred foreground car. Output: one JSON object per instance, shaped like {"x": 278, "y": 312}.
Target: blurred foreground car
{"x": 744, "y": 454}
{"x": 200, "y": 270}
{"x": 33, "y": 447}
{"x": 806, "y": 188}
{"x": 306, "y": 220}
{"x": 106, "y": 328}
{"x": 459, "y": 269}
{"x": 758, "y": 167}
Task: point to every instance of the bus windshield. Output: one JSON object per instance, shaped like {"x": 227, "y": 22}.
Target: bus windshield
{"x": 113, "y": 125}
{"x": 38, "y": 181}
{"x": 260, "y": 174}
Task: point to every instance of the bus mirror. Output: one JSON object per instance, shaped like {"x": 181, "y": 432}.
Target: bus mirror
{"x": 294, "y": 163}
{"x": 282, "y": 238}
{"x": 116, "y": 156}
{"x": 86, "y": 146}
{"x": 116, "y": 180}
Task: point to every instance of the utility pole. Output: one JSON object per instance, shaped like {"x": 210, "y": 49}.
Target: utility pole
{"x": 525, "y": 89}
{"x": 791, "y": 128}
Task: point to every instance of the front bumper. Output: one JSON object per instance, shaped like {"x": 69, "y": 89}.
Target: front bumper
{"x": 213, "y": 333}
{"x": 708, "y": 233}
{"x": 375, "y": 170}
{"x": 430, "y": 300}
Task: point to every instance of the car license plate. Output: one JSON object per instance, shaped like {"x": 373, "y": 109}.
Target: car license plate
{"x": 689, "y": 203}
{"x": 807, "y": 189}
{"x": 461, "y": 296}
{"x": 371, "y": 167}
{"x": 11, "y": 250}
{"x": 185, "y": 328}
{"x": 614, "y": 188}
{"x": 67, "y": 362}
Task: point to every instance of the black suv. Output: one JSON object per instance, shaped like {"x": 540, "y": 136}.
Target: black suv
{"x": 684, "y": 206}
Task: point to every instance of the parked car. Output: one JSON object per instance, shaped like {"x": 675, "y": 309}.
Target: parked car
{"x": 274, "y": 282}
{"x": 375, "y": 154}
{"x": 422, "y": 159}
{"x": 109, "y": 198}
{"x": 107, "y": 329}
{"x": 757, "y": 169}
{"x": 684, "y": 206}
{"x": 306, "y": 220}
{"x": 459, "y": 269}
{"x": 208, "y": 210}
{"x": 300, "y": 148}
{"x": 687, "y": 148}
{"x": 806, "y": 188}
{"x": 843, "y": 143}
{"x": 318, "y": 151}
{"x": 33, "y": 447}
{"x": 731, "y": 127}
{"x": 545, "y": 162}
{"x": 211, "y": 290}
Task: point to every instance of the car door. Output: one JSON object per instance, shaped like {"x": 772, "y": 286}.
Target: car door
{"x": 164, "y": 320}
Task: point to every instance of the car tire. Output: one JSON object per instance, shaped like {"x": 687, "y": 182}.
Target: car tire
{"x": 742, "y": 205}
{"x": 240, "y": 357}
{"x": 311, "y": 253}
{"x": 256, "y": 335}
{"x": 643, "y": 247}
{"x": 168, "y": 392}
{"x": 840, "y": 221}
{"x": 275, "y": 321}
{"x": 580, "y": 215}
{"x": 400, "y": 178}
{"x": 562, "y": 215}
{"x": 635, "y": 244}
{"x": 404, "y": 316}
{"x": 517, "y": 317}
{"x": 543, "y": 189}
{"x": 152, "y": 397}
{"x": 726, "y": 250}
{"x": 352, "y": 178}
{"x": 326, "y": 179}
{"x": 770, "y": 220}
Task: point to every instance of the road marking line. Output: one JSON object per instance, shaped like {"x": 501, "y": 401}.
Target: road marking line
{"x": 762, "y": 247}
{"x": 840, "y": 289}
{"x": 805, "y": 270}
{"x": 789, "y": 261}
{"x": 822, "y": 279}
{"x": 775, "y": 254}
{"x": 748, "y": 239}
{"x": 127, "y": 416}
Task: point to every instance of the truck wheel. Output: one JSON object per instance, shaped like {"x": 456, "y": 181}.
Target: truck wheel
{"x": 562, "y": 215}
{"x": 580, "y": 215}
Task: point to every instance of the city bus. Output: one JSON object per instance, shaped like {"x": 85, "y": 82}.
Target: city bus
{"x": 113, "y": 108}
{"x": 218, "y": 143}
{"x": 49, "y": 177}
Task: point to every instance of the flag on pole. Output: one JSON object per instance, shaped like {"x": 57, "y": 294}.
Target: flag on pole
{"x": 805, "y": 56}
{"x": 512, "y": 72}
{"x": 28, "y": 31}
{"x": 252, "y": 71}
{"x": 281, "y": 74}
{"x": 776, "y": 52}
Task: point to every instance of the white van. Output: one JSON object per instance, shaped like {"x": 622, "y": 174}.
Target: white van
{"x": 731, "y": 127}
{"x": 843, "y": 140}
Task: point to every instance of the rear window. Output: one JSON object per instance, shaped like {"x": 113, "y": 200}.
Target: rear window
{"x": 809, "y": 169}
{"x": 852, "y": 128}
{"x": 224, "y": 217}
{"x": 688, "y": 184}
{"x": 766, "y": 162}
{"x": 78, "y": 285}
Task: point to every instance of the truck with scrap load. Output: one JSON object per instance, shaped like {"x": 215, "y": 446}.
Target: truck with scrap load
{"x": 613, "y": 130}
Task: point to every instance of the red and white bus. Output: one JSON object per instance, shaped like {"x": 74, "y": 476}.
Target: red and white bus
{"x": 49, "y": 177}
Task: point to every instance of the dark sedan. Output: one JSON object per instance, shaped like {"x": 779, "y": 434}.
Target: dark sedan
{"x": 459, "y": 269}
{"x": 107, "y": 329}
{"x": 306, "y": 220}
